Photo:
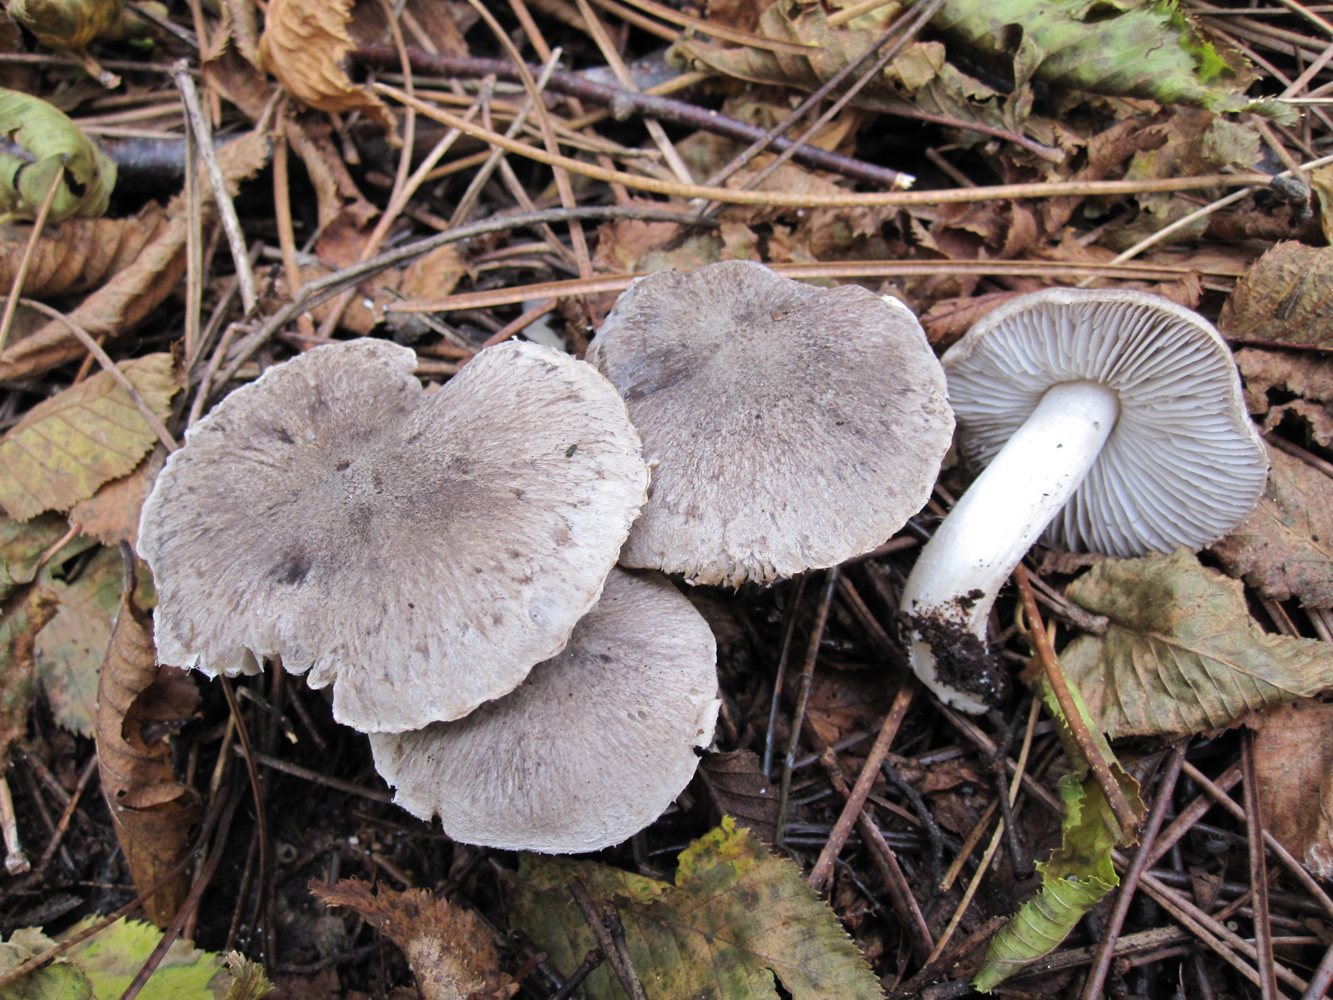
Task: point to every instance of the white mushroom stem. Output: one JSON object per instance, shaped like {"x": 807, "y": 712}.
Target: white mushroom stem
{"x": 976, "y": 548}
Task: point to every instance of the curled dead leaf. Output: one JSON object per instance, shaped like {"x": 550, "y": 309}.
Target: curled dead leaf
{"x": 133, "y": 293}
{"x": 1285, "y": 299}
{"x": 81, "y": 254}
{"x": 449, "y": 948}
{"x": 138, "y": 704}
{"x": 303, "y": 45}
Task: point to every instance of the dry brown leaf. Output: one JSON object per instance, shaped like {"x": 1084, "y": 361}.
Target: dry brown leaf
{"x": 1307, "y": 375}
{"x": 303, "y": 45}
{"x": 449, "y": 949}
{"x": 81, "y": 255}
{"x": 1285, "y": 299}
{"x": 22, "y": 616}
{"x": 131, "y": 295}
{"x": 946, "y": 321}
{"x": 1285, "y": 547}
{"x": 138, "y": 704}
{"x": 111, "y": 515}
{"x": 1293, "y": 755}
{"x": 739, "y": 788}
{"x": 436, "y": 21}
{"x": 67, "y": 446}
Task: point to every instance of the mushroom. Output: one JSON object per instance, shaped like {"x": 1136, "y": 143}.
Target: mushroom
{"x": 587, "y": 751}
{"x": 1111, "y": 420}
{"x": 791, "y": 427}
{"x": 423, "y": 551}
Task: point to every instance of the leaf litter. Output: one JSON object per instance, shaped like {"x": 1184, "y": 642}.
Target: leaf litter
{"x": 1014, "y": 94}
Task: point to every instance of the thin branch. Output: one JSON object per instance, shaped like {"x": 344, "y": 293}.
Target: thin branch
{"x": 802, "y": 697}
{"x": 222, "y": 197}
{"x": 1078, "y": 726}
{"x": 736, "y": 196}
{"x": 104, "y": 359}
{"x": 20, "y": 276}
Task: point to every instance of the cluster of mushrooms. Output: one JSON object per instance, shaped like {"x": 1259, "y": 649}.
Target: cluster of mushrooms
{"x": 447, "y": 560}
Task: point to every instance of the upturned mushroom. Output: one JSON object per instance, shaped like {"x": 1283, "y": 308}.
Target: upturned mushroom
{"x": 1112, "y": 421}
{"x": 587, "y": 751}
{"x": 421, "y": 551}
{"x": 790, "y": 427}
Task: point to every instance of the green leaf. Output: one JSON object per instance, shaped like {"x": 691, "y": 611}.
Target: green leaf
{"x": 1076, "y": 878}
{"x": 70, "y": 648}
{"x": 735, "y": 919}
{"x": 1181, "y": 654}
{"x": 53, "y": 142}
{"x": 58, "y": 981}
{"x": 1122, "y": 48}
{"x": 1080, "y": 871}
{"x": 113, "y": 957}
{"x": 66, "y": 447}
{"x": 22, "y": 544}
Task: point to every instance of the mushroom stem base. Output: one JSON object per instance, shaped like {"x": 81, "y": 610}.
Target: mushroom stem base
{"x": 955, "y": 580}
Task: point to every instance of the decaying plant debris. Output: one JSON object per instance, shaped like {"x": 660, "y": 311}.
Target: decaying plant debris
{"x": 196, "y": 192}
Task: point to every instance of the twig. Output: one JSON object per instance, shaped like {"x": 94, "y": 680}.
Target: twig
{"x": 1055, "y": 676}
{"x": 1283, "y": 855}
{"x": 16, "y": 862}
{"x": 617, "y": 956}
{"x": 109, "y": 366}
{"x": 1296, "y": 451}
{"x": 351, "y": 788}
{"x": 221, "y": 196}
{"x": 648, "y": 105}
{"x": 1022, "y": 863}
{"x": 780, "y": 677}
{"x": 823, "y": 869}
{"x": 737, "y": 196}
{"x": 1192, "y": 813}
{"x": 802, "y": 697}
{"x": 315, "y": 292}
{"x": 591, "y": 961}
{"x": 904, "y": 902}
{"x": 827, "y": 269}
{"x": 261, "y": 819}
{"x": 1101, "y": 963}
{"x": 1322, "y": 978}
{"x": 1263, "y": 930}
{"x": 21, "y": 275}
{"x": 933, "y": 969}
{"x": 89, "y": 769}
{"x": 919, "y": 19}
{"x": 928, "y": 823}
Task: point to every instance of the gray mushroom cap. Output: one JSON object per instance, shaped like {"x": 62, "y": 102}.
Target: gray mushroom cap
{"x": 421, "y": 551}
{"x": 1183, "y": 464}
{"x": 586, "y": 752}
{"x": 793, "y": 427}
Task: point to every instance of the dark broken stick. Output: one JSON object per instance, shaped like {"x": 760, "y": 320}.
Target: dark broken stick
{"x": 624, "y": 103}
{"x": 1111, "y": 931}
{"x": 823, "y": 869}
{"x": 615, "y": 952}
{"x": 900, "y": 891}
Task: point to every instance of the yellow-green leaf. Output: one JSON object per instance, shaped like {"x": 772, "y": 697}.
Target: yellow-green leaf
{"x": 1181, "y": 654}
{"x": 66, "y": 447}
{"x": 70, "y": 648}
{"x": 53, "y": 142}
{"x": 22, "y": 544}
{"x": 58, "y": 981}
{"x": 1078, "y": 875}
{"x": 113, "y": 957}
{"x": 735, "y": 918}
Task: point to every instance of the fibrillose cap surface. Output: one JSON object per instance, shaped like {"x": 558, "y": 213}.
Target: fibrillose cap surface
{"x": 1183, "y": 464}
{"x": 420, "y": 552}
{"x": 794, "y": 427}
{"x": 586, "y": 752}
